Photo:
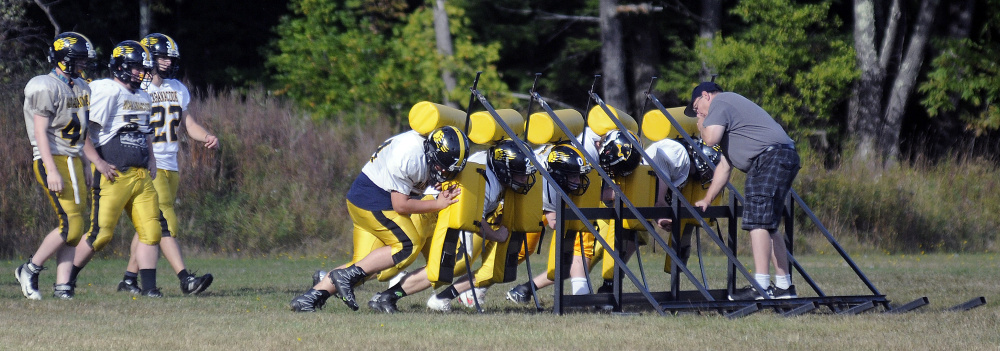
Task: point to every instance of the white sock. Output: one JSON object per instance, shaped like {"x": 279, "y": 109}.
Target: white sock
{"x": 579, "y": 286}
{"x": 763, "y": 279}
{"x": 783, "y": 281}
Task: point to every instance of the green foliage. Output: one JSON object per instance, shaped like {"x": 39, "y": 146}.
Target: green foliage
{"x": 790, "y": 59}
{"x": 331, "y": 58}
{"x": 966, "y": 71}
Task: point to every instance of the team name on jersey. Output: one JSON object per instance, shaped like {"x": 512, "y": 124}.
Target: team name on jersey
{"x": 136, "y": 105}
{"x": 77, "y": 102}
{"x": 161, "y": 96}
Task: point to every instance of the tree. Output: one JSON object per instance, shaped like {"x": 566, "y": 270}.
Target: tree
{"x": 790, "y": 59}
{"x": 964, "y": 82}
{"x": 876, "y": 126}
{"x": 334, "y": 56}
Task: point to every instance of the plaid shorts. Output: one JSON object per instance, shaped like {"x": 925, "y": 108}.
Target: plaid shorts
{"x": 768, "y": 182}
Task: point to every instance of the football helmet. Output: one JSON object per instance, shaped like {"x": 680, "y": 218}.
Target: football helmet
{"x": 565, "y": 161}
{"x": 508, "y": 163}
{"x": 127, "y": 55}
{"x": 447, "y": 148}
{"x": 69, "y": 50}
{"x": 701, "y": 170}
{"x": 161, "y": 45}
{"x": 618, "y": 155}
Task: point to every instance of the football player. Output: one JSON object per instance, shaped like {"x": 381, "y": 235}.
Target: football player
{"x": 506, "y": 167}
{"x": 380, "y": 202}
{"x": 56, "y": 107}
{"x": 168, "y": 113}
{"x": 120, "y": 113}
{"x": 569, "y": 169}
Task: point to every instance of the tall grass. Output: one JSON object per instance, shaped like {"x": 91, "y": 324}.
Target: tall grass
{"x": 949, "y": 205}
{"x": 277, "y": 185}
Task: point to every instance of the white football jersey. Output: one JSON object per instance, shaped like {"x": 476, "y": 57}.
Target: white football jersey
{"x": 399, "y": 164}
{"x": 170, "y": 101}
{"x": 113, "y": 106}
{"x": 66, "y": 108}
{"x": 672, "y": 157}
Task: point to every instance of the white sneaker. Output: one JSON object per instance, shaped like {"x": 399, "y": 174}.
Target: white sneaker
{"x": 466, "y": 297}
{"x": 441, "y": 305}
{"x": 27, "y": 276}
{"x": 395, "y": 279}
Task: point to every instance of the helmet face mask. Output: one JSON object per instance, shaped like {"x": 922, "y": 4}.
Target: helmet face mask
{"x": 569, "y": 169}
{"x": 73, "y": 54}
{"x": 446, "y": 149}
{"x": 163, "y": 46}
{"x": 512, "y": 168}
{"x": 127, "y": 57}
{"x": 617, "y": 155}
{"x": 699, "y": 168}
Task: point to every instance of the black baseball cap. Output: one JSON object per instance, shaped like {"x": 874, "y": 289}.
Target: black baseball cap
{"x": 704, "y": 86}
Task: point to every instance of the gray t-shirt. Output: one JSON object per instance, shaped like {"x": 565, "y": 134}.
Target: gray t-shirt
{"x": 749, "y": 129}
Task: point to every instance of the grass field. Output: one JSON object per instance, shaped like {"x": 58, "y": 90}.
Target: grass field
{"x": 246, "y": 309}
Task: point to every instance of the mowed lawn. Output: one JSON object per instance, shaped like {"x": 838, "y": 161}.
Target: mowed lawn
{"x": 246, "y": 309}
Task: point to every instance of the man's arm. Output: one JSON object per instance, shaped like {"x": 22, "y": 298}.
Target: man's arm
{"x": 53, "y": 180}
{"x": 719, "y": 180}
{"x": 198, "y": 133}
{"x": 712, "y": 135}
{"x": 103, "y": 167}
{"x": 404, "y": 205}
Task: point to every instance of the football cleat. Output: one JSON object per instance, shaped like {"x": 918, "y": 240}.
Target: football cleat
{"x": 519, "y": 294}
{"x": 383, "y": 301}
{"x": 318, "y": 276}
{"x": 195, "y": 285}
{"x": 344, "y": 280}
{"x": 466, "y": 298}
{"x": 310, "y": 301}
{"x": 64, "y": 291}
{"x": 154, "y": 292}
{"x": 441, "y": 305}
{"x": 130, "y": 286}
{"x": 27, "y": 276}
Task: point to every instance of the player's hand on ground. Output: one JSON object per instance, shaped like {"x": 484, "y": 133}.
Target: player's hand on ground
{"x": 54, "y": 181}
{"x": 211, "y": 141}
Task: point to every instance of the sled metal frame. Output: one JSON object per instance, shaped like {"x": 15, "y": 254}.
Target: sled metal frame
{"x": 674, "y": 300}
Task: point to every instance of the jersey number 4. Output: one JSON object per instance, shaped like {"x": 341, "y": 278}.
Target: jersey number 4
{"x": 72, "y": 130}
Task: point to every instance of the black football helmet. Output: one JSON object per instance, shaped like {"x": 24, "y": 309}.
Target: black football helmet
{"x": 161, "y": 45}
{"x": 700, "y": 169}
{"x": 69, "y": 50}
{"x": 448, "y": 149}
{"x": 507, "y": 162}
{"x": 127, "y": 55}
{"x": 564, "y": 161}
{"x": 618, "y": 156}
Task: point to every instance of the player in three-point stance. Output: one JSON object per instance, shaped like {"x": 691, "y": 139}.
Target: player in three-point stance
{"x": 380, "y": 202}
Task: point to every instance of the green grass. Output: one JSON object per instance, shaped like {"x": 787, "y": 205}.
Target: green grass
{"x": 246, "y": 308}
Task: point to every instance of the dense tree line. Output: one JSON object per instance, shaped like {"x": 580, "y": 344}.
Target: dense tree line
{"x": 876, "y": 79}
